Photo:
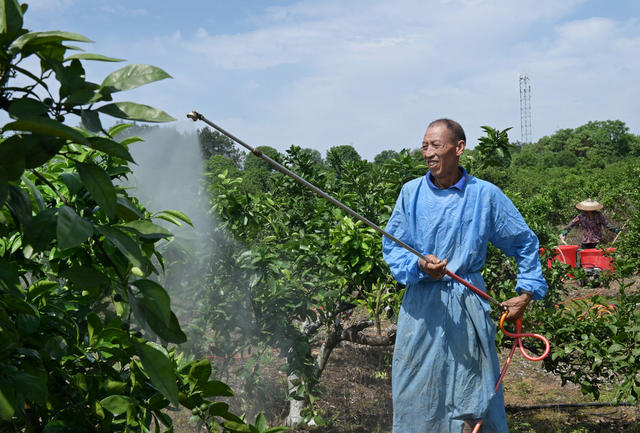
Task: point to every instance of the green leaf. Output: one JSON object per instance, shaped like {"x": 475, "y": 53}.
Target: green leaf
{"x": 40, "y": 38}
{"x": 12, "y": 156}
{"x": 82, "y": 94}
{"x": 118, "y": 128}
{"x": 261, "y": 422}
{"x": 169, "y": 218}
{"x": 133, "y": 111}
{"x": 7, "y": 398}
{"x": 91, "y": 120}
{"x": 10, "y": 16}
{"x": 133, "y": 76}
{"x": 114, "y": 386}
{"x": 99, "y": 185}
{"x": 32, "y": 382}
{"x": 130, "y": 140}
{"x": 41, "y": 287}
{"x": 27, "y": 107}
{"x": 160, "y": 370}
{"x": 173, "y": 333}
{"x": 20, "y": 207}
{"x": 4, "y": 186}
{"x": 94, "y": 326}
{"x": 176, "y": 215}
{"x": 39, "y": 149}
{"x": 30, "y": 75}
{"x": 215, "y": 388}
{"x": 615, "y": 347}
{"x": 147, "y": 230}
{"x": 236, "y": 427}
{"x": 110, "y": 147}
{"x": 27, "y": 323}
{"x": 127, "y": 246}
{"x": 200, "y": 371}
{"x": 72, "y": 182}
{"x": 219, "y": 408}
{"x": 72, "y": 230}
{"x": 152, "y": 305}
{"x": 9, "y": 281}
{"x": 35, "y": 193}
{"x": 233, "y": 418}
{"x": 117, "y": 404}
{"x": 154, "y": 301}
{"x": 86, "y": 277}
{"x": 46, "y": 126}
{"x": 91, "y": 56}
{"x": 17, "y": 305}
{"x": 127, "y": 210}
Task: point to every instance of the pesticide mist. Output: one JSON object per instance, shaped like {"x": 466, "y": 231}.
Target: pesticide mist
{"x": 168, "y": 175}
{"x": 209, "y": 289}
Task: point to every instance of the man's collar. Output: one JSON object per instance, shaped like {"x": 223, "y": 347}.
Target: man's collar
{"x": 460, "y": 185}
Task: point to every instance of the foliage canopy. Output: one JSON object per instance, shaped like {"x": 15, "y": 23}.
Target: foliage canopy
{"x": 88, "y": 337}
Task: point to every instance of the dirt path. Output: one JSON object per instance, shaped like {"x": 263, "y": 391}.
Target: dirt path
{"x": 357, "y": 397}
{"x": 355, "y": 393}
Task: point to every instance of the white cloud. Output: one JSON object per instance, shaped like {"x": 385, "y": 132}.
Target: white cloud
{"x": 579, "y": 38}
{"x": 258, "y": 49}
{"x": 373, "y": 73}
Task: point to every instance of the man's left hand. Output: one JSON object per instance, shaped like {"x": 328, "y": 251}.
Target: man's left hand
{"x": 516, "y": 306}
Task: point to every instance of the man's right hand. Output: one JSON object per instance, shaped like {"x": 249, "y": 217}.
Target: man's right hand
{"x": 433, "y": 266}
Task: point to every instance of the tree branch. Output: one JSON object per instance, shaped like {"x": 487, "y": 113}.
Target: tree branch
{"x": 121, "y": 277}
{"x": 50, "y": 185}
{"x": 354, "y": 334}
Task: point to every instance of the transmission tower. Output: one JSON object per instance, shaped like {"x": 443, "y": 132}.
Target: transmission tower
{"x": 525, "y": 108}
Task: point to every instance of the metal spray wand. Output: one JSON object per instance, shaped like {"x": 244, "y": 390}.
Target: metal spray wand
{"x": 194, "y": 115}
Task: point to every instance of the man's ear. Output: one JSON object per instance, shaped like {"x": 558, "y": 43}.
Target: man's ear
{"x": 460, "y": 145}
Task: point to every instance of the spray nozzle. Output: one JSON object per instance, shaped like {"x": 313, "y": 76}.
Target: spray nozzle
{"x": 194, "y": 115}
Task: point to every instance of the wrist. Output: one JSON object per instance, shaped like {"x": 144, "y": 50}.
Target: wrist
{"x": 422, "y": 273}
{"x": 527, "y": 293}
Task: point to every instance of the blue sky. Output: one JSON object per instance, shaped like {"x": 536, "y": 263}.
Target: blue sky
{"x": 368, "y": 73}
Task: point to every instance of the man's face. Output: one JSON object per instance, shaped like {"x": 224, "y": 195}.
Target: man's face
{"x": 441, "y": 152}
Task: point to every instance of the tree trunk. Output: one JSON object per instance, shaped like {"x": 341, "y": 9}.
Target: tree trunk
{"x": 294, "y": 418}
{"x": 336, "y": 335}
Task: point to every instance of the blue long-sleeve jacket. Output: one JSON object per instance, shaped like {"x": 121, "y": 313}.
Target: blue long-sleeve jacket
{"x": 457, "y": 224}
{"x": 445, "y": 364}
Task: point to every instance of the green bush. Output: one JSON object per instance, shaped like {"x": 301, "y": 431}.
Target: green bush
{"x": 88, "y": 338}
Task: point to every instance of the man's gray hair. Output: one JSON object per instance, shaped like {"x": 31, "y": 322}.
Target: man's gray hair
{"x": 454, "y": 128}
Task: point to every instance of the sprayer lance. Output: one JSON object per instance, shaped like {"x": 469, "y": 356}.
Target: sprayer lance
{"x": 194, "y": 115}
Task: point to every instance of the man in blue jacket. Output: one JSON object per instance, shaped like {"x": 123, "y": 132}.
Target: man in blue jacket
{"x": 445, "y": 365}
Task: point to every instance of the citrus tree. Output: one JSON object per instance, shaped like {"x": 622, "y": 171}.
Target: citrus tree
{"x": 87, "y": 336}
{"x": 594, "y": 340}
{"x": 300, "y": 265}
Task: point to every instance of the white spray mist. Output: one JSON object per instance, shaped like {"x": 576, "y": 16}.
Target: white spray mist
{"x": 169, "y": 175}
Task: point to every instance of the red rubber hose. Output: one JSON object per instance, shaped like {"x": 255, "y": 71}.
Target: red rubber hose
{"x": 518, "y": 336}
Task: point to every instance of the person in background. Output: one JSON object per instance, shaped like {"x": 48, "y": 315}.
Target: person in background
{"x": 591, "y": 221}
{"x": 445, "y": 365}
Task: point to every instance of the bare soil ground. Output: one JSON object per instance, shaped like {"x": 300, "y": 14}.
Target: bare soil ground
{"x": 357, "y": 398}
{"x": 356, "y": 395}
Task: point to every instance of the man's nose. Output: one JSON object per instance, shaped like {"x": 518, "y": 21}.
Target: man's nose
{"x": 428, "y": 151}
